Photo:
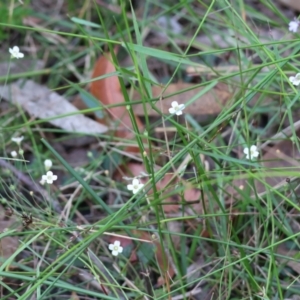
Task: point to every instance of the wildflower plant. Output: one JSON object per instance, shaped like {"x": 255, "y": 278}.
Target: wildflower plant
{"x": 15, "y": 52}
{"x": 48, "y": 178}
{"x": 135, "y": 186}
{"x": 251, "y": 152}
{"x": 295, "y": 80}
{"x": 115, "y": 248}
{"x": 294, "y": 25}
{"x": 230, "y": 214}
{"x": 176, "y": 108}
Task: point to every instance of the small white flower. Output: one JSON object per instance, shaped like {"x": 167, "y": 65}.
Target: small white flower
{"x": 176, "y": 108}
{"x": 115, "y": 248}
{"x": 15, "y": 52}
{"x": 293, "y": 25}
{"x": 251, "y": 152}
{"x": 48, "y": 164}
{"x": 13, "y": 153}
{"x": 49, "y": 178}
{"x": 295, "y": 80}
{"x": 135, "y": 186}
{"x": 17, "y": 140}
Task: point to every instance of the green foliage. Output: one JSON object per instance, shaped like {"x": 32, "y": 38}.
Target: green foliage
{"x": 229, "y": 240}
{"x": 12, "y": 15}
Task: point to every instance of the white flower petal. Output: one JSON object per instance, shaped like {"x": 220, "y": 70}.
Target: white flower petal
{"x": 130, "y": 187}
{"x": 174, "y": 104}
{"x": 117, "y": 243}
{"x": 135, "y": 182}
{"x": 246, "y": 151}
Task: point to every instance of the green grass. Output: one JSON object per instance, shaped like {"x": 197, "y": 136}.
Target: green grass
{"x": 231, "y": 242}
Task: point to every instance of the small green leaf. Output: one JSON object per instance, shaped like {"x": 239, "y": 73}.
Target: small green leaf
{"x": 84, "y": 22}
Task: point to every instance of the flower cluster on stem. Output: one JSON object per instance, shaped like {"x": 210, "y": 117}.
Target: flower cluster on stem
{"x": 49, "y": 177}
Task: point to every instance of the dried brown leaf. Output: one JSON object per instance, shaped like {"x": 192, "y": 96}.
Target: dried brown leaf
{"x": 41, "y": 102}
{"x": 108, "y": 92}
{"x": 211, "y": 103}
